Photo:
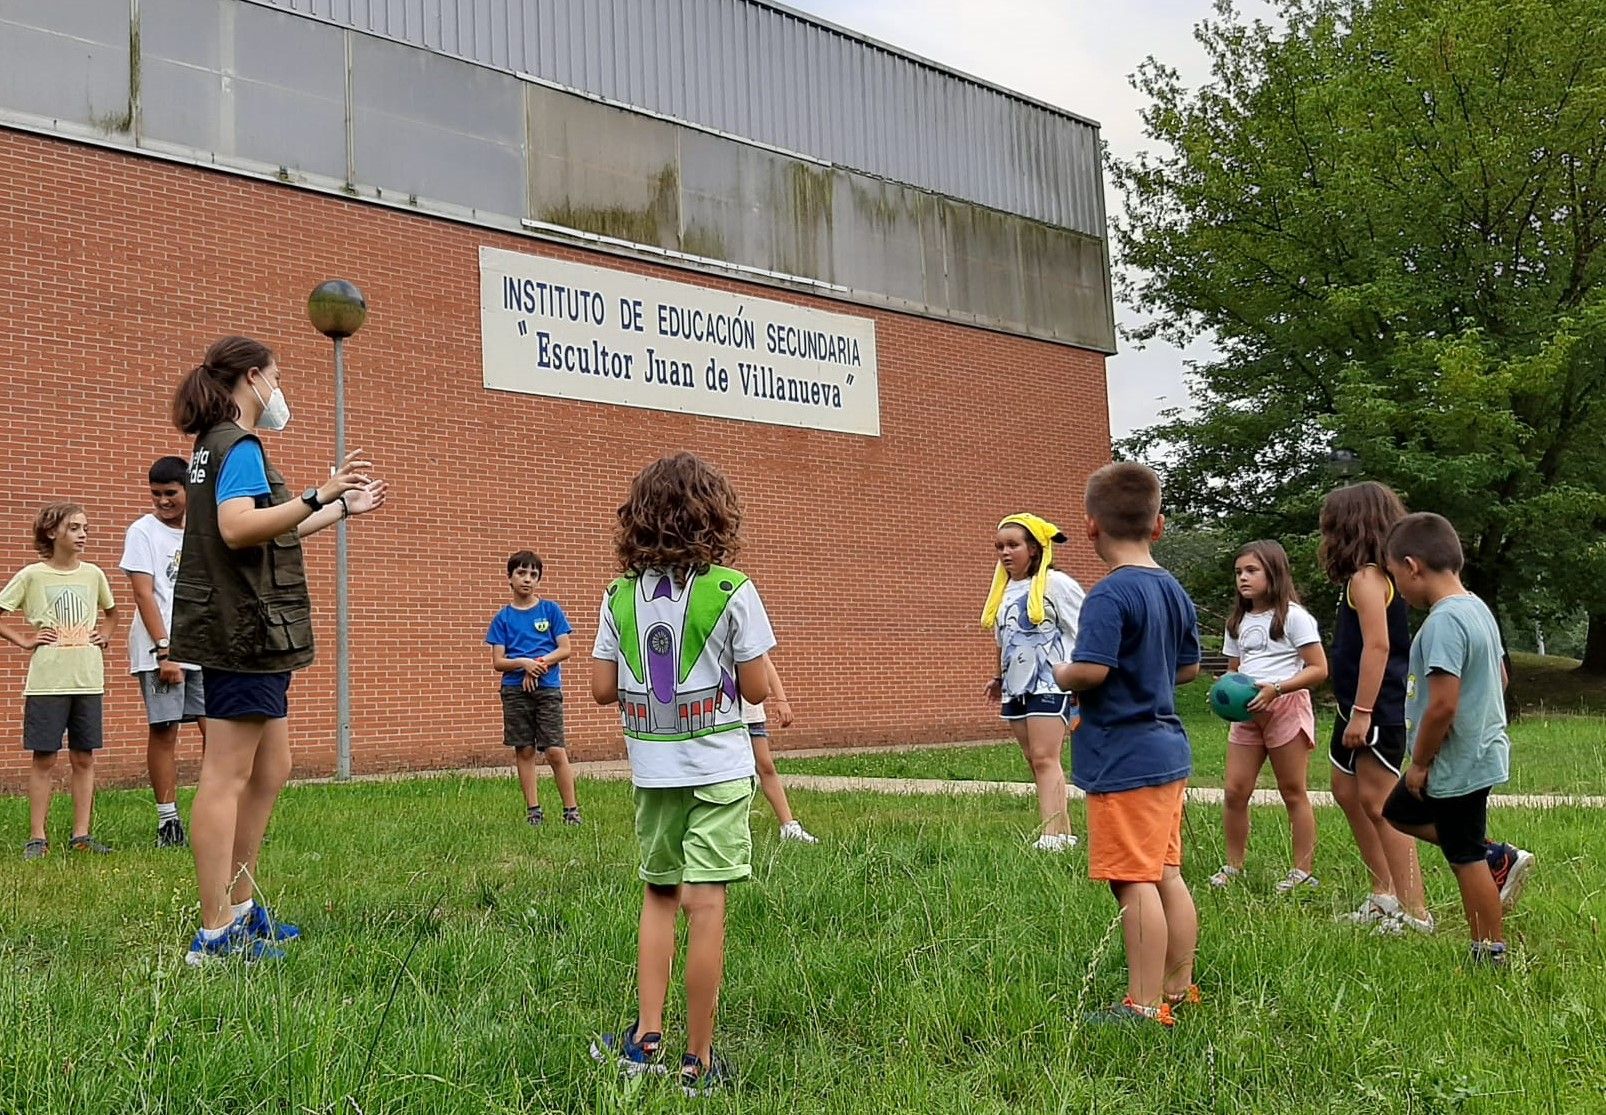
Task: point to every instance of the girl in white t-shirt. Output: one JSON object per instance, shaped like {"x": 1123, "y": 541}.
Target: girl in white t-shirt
{"x": 1033, "y": 609}
{"x": 1274, "y": 640}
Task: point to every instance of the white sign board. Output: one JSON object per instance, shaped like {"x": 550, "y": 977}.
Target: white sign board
{"x": 548, "y": 327}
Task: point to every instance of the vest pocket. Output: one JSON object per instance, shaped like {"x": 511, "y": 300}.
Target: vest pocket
{"x": 286, "y": 626}
{"x": 284, "y": 561}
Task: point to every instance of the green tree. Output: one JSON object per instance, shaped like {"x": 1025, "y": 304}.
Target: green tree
{"x": 1391, "y": 217}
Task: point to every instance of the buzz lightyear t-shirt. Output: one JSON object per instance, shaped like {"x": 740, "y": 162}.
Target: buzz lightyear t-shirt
{"x": 677, "y": 648}
{"x": 68, "y": 602}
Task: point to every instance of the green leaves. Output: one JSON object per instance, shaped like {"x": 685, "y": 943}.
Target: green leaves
{"x": 1391, "y": 218}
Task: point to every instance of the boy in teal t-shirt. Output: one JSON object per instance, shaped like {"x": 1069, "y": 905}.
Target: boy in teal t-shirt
{"x": 1455, "y": 715}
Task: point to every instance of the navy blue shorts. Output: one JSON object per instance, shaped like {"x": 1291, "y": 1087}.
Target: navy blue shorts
{"x": 1039, "y": 704}
{"x": 234, "y": 696}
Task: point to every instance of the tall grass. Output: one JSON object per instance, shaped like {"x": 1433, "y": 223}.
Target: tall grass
{"x": 921, "y": 959}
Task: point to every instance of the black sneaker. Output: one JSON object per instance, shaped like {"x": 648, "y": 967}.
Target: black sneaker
{"x": 572, "y": 816}
{"x": 87, "y": 843}
{"x": 36, "y": 849}
{"x": 533, "y": 816}
{"x": 170, "y": 834}
{"x": 698, "y": 1079}
{"x": 1488, "y": 954}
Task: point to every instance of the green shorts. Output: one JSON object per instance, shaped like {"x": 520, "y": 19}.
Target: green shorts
{"x": 695, "y": 834}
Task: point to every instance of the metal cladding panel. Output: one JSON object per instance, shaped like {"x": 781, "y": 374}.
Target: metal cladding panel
{"x": 769, "y": 74}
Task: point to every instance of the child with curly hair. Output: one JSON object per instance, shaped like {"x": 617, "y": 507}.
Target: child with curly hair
{"x": 681, "y": 641}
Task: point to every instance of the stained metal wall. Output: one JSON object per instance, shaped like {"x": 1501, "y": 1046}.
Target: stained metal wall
{"x": 245, "y": 86}
{"x": 768, "y": 73}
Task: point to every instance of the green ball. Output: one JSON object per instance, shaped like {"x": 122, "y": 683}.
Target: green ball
{"x": 1230, "y": 697}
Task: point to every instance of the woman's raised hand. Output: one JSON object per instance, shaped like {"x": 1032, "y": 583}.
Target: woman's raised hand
{"x": 348, "y": 476}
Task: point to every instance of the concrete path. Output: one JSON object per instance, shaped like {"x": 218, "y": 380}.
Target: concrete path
{"x": 618, "y": 770}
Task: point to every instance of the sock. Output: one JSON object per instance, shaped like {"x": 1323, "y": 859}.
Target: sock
{"x": 243, "y": 908}
{"x": 214, "y": 934}
{"x": 167, "y": 811}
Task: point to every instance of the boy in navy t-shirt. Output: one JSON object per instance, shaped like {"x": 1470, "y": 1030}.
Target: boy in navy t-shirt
{"x": 1139, "y": 640}
{"x": 528, "y": 638}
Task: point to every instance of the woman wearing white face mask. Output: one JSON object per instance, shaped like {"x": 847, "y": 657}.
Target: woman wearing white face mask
{"x": 241, "y": 612}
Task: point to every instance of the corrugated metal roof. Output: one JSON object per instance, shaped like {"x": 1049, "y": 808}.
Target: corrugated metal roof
{"x": 769, "y": 73}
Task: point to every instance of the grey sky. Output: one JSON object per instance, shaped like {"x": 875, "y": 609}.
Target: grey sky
{"x": 1077, "y": 54}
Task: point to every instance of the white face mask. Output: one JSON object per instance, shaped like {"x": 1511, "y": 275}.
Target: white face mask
{"x": 275, "y": 412}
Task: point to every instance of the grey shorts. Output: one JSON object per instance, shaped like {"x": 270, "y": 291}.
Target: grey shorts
{"x": 166, "y": 705}
{"x": 48, "y": 717}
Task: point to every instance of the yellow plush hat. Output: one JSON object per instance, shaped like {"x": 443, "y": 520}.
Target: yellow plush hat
{"x": 1046, "y": 534}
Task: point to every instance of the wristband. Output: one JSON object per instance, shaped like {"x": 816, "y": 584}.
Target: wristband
{"x": 1353, "y": 709}
{"x": 345, "y": 508}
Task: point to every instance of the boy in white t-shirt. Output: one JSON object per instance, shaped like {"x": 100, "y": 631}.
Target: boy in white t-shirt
{"x": 1274, "y": 640}
{"x": 758, "y": 730}
{"x": 172, "y": 691}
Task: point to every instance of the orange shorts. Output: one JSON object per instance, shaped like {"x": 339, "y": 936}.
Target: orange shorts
{"x": 1134, "y": 835}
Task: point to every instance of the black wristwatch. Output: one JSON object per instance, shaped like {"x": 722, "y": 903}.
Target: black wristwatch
{"x": 310, "y": 498}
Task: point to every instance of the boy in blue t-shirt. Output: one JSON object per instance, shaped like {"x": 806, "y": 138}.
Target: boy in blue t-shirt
{"x": 1455, "y": 714}
{"x": 528, "y": 638}
{"x": 1138, "y": 640}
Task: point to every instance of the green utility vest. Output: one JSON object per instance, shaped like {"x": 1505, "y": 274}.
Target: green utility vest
{"x": 242, "y": 610}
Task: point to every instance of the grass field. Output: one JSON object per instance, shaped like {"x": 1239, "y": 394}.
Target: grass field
{"x": 920, "y": 960}
{"x": 1551, "y": 752}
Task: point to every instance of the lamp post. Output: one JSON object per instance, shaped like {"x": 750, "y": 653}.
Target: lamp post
{"x": 337, "y": 309}
{"x": 1344, "y": 462}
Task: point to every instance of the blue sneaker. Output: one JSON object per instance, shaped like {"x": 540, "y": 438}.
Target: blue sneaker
{"x": 634, "y": 1055}
{"x": 233, "y": 942}
{"x": 260, "y": 924}
{"x": 698, "y": 1079}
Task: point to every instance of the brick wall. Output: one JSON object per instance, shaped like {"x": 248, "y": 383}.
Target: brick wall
{"x": 873, "y": 554}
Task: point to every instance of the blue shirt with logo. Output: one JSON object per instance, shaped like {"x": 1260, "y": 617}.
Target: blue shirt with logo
{"x": 1139, "y": 622}
{"x": 529, "y": 633}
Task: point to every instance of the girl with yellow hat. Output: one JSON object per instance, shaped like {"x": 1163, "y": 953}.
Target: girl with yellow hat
{"x": 1033, "y": 610}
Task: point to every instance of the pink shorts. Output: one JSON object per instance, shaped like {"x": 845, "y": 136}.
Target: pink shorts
{"x": 1292, "y": 716}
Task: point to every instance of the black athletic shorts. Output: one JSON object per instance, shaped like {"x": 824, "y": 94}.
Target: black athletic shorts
{"x": 1462, "y": 822}
{"x": 47, "y": 717}
{"x": 1386, "y": 742}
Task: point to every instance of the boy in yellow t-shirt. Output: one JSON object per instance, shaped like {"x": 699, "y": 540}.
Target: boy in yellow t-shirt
{"x": 68, "y": 605}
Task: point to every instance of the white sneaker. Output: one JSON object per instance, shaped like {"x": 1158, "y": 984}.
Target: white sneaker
{"x": 1225, "y": 876}
{"x": 1295, "y": 879}
{"x": 1376, "y": 909}
{"x": 795, "y": 832}
{"x": 1055, "y": 842}
{"x": 1397, "y": 923}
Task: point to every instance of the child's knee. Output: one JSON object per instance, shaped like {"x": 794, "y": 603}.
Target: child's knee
{"x": 557, "y": 758}
{"x": 1237, "y": 797}
{"x": 81, "y": 760}
{"x": 44, "y": 760}
{"x": 702, "y": 899}
{"x": 1293, "y": 796}
{"x": 764, "y": 765}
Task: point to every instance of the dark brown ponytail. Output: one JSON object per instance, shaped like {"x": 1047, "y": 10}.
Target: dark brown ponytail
{"x": 205, "y": 395}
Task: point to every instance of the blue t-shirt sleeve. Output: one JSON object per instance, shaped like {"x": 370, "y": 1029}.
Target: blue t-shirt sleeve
{"x": 560, "y": 622}
{"x": 245, "y": 472}
{"x": 1188, "y": 649}
{"x": 497, "y": 635}
{"x": 1098, "y": 640}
